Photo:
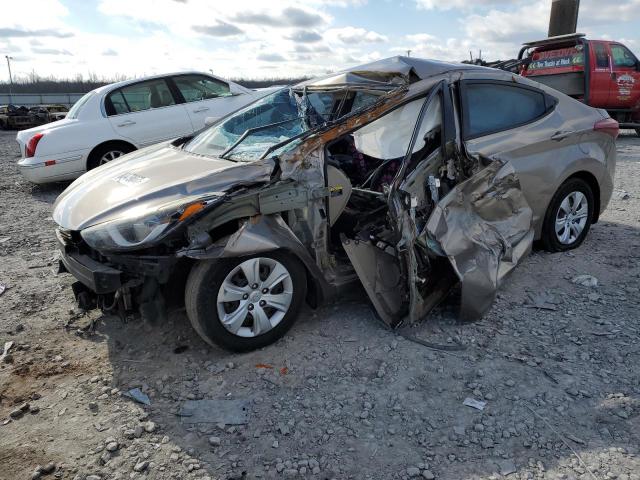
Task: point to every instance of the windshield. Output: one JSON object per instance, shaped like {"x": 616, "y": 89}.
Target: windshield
{"x": 272, "y": 122}
{"x": 75, "y": 110}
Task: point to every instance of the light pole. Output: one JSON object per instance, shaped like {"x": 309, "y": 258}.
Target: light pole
{"x": 10, "y": 77}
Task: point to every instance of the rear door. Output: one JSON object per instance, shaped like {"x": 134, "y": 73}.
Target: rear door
{"x": 513, "y": 122}
{"x": 147, "y": 112}
{"x": 207, "y": 97}
{"x": 625, "y": 78}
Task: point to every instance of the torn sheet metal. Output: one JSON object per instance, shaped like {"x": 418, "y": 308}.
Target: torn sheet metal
{"x": 391, "y": 70}
{"x": 229, "y": 412}
{"x": 380, "y": 275}
{"x": 484, "y": 226}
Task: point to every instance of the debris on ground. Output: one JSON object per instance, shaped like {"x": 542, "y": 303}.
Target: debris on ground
{"x": 225, "y": 412}
{"x": 139, "y": 396}
{"x": 6, "y": 357}
{"x": 473, "y": 403}
{"x": 585, "y": 280}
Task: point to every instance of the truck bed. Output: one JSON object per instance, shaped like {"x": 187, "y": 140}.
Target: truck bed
{"x": 572, "y": 84}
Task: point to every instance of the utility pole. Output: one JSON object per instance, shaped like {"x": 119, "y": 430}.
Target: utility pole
{"x": 10, "y": 77}
{"x": 564, "y": 17}
{"x": 408, "y": 53}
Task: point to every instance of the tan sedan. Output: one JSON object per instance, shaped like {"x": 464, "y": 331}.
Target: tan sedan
{"x": 406, "y": 175}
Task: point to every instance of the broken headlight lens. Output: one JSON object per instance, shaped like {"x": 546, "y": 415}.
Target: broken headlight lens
{"x": 140, "y": 228}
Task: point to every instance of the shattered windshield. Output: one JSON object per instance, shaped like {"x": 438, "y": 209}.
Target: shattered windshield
{"x": 272, "y": 122}
{"x": 253, "y": 130}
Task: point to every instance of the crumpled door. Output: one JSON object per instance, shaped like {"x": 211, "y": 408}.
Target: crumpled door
{"x": 484, "y": 226}
{"x": 475, "y": 233}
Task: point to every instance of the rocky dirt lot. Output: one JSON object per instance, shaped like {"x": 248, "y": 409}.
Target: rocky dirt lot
{"x": 557, "y": 363}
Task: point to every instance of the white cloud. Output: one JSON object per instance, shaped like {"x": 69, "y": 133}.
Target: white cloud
{"x": 421, "y": 38}
{"x": 497, "y": 26}
{"x": 33, "y": 14}
{"x": 253, "y": 39}
{"x": 353, "y": 35}
{"x": 460, "y": 4}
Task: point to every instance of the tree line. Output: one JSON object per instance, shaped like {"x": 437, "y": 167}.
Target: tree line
{"x": 36, "y": 84}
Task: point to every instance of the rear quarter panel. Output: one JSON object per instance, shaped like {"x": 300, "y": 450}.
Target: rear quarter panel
{"x": 543, "y": 164}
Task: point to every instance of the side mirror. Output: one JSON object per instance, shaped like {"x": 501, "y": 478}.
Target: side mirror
{"x": 210, "y": 121}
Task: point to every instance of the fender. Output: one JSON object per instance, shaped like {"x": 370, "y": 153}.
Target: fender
{"x": 260, "y": 234}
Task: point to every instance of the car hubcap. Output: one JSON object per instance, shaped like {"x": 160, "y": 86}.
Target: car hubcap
{"x": 112, "y": 155}
{"x": 571, "y": 217}
{"x": 254, "y": 297}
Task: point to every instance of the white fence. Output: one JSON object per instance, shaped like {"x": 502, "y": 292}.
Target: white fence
{"x": 31, "y": 99}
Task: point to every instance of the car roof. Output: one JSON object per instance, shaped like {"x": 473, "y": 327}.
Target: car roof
{"x": 124, "y": 83}
{"x": 392, "y": 70}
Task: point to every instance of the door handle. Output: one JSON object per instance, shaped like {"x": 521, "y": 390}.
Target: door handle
{"x": 201, "y": 109}
{"x": 127, "y": 123}
{"x": 561, "y": 135}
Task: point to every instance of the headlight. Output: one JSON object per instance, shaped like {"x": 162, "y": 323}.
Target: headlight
{"x": 139, "y": 227}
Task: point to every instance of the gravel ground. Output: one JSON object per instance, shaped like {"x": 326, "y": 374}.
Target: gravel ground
{"x": 557, "y": 364}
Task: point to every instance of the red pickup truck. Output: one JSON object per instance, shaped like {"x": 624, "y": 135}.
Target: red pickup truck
{"x": 601, "y": 73}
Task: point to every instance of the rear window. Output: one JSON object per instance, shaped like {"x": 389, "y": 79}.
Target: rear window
{"x": 75, "y": 110}
{"x": 602, "y": 56}
{"x": 492, "y": 107}
{"x": 198, "y": 87}
{"x": 139, "y": 97}
{"x": 554, "y": 61}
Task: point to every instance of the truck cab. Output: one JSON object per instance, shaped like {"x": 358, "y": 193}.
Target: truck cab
{"x": 601, "y": 73}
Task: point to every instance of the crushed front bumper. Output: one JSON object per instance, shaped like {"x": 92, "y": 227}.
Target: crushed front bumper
{"x": 97, "y": 277}
{"x": 107, "y": 274}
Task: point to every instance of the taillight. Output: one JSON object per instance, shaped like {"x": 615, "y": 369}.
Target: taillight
{"x": 32, "y": 144}
{"x": 608, "y": 126}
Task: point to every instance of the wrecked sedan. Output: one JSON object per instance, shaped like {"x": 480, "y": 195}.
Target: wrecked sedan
{"x": 409, "y": 175}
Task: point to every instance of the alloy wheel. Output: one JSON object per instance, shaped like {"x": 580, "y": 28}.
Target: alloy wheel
{"x": 254, "y": 297}
{"x": 110, "y": 155}
{"x": 571, "y": 217}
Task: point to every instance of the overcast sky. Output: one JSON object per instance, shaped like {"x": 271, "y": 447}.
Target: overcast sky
{"x": 262, "y": 39}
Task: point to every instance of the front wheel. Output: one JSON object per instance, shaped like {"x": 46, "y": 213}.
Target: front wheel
{"x": 245, "y": 303}
{"x": 569, "y": 216}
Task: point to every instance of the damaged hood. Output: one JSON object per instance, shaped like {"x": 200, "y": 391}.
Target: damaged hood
{"x": 151, "y": 177}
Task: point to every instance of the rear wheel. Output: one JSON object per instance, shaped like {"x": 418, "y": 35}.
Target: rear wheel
{"x": 245, "y": 303}
{"x": 569, "y": 216}
{"x": 107, "y": 152}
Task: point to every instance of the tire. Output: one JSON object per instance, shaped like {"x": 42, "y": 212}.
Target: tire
{"x": 568, "y": 203}
{"x": 638, "y": 131}
{"x": 101, "y": 154}
{"x": 205, "y": 285}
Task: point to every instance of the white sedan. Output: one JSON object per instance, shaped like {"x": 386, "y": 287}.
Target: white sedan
{"x": 116, "y": 119}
